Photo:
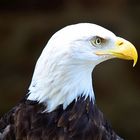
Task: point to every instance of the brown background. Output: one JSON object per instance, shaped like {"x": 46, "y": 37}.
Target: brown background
{"x": 26, "y": 26}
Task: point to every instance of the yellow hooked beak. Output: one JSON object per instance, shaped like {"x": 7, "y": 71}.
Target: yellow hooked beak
{"x": 123, "y": 49}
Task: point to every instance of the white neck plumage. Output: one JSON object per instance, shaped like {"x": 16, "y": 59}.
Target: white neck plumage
{"x": 58, "y": 84}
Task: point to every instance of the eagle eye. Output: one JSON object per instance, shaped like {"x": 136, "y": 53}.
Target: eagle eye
{"x": 96, "y": 41}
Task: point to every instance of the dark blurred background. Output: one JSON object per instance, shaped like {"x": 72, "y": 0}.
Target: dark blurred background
{"x": 26, "y": 26}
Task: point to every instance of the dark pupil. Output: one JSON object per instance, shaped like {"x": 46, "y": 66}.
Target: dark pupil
{"x": 98, "y": 41}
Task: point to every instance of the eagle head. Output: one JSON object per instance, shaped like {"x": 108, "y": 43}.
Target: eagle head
{"x": 63, "y": 71}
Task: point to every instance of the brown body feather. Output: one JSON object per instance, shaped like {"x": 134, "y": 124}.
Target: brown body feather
{"x": 81, "y": 120}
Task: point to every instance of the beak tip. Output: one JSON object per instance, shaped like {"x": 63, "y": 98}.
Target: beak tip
{"x": 134, "y": 63}
{"x": 135, "y": 58}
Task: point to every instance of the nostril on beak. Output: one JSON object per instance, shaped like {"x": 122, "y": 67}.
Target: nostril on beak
{"x": 120, "y": 43}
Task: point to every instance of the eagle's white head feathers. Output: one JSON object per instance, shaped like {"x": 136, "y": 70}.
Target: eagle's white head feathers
{"x": 63, "y": 71}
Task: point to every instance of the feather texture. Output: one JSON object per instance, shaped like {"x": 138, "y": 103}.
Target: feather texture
{"x": 81, "y": 120}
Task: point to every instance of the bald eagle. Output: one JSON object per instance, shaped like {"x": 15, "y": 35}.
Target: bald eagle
{"x": 60, "y": 104}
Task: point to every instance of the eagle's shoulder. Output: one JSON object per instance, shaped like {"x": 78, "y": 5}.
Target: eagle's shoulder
{"x": 16, "y": 123}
